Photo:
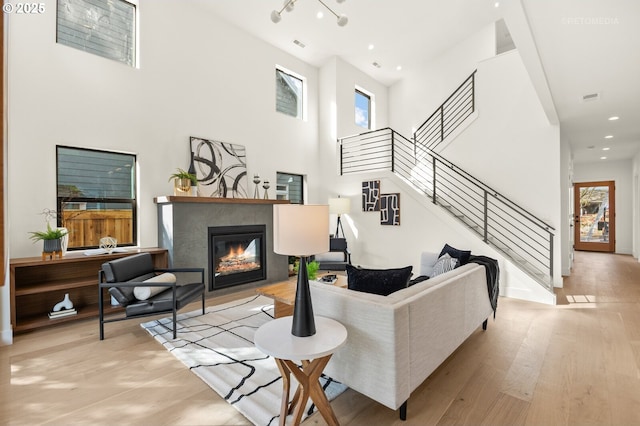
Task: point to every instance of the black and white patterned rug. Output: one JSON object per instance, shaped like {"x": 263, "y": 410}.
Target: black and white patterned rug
{"x": 218, "y": 348}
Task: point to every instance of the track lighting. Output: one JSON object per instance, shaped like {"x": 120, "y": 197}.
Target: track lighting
{"x": 276, "y": 16}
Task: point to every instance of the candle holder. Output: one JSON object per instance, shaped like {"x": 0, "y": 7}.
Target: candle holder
{"x": 256, "y": 180}
{"x": 266, "y": 187}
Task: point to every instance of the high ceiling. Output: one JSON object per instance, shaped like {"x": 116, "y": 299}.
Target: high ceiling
{"x": 581, "y": 47}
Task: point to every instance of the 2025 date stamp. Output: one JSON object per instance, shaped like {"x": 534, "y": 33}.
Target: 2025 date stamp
{"x": 24, "y": 8}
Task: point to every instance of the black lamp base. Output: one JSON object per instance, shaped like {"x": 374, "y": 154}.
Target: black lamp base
{"x": 303, "y": 324}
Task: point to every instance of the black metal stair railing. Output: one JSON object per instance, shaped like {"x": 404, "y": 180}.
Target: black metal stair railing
{"x": 448, "y": 116}
{"x": 497, "y": 220}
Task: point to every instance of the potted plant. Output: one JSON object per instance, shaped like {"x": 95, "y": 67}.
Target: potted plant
{"x": 312, "y": 269}
{"x": 182, "y": 182}
{"x": 52, "y": 239}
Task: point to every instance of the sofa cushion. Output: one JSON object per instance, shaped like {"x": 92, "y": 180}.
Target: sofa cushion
{"x": 462, "y": 255}
{"x": 378, "y": 281}
{"x": 145, "y": 292}
{"x": 444, "y": 264}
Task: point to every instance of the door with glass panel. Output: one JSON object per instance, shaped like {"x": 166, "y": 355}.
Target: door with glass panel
{"x": 594, "y": 216}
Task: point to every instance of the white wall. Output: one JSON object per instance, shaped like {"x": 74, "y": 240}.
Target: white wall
{"x": 422, "y": 90}
{"x": 622, "y": 173}
{"x": 196, "y": 78}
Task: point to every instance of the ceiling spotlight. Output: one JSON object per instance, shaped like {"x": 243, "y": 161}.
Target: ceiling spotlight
{"x": 613, "y": 118}
{"x": 399, "y": 68}
{"x": 609, "y": 137}
{"x": 606, "y": 148}
{"x": 276, "y": 16}
{"x": 603, "y": 158}
{"x": 371, "y": 47}
{"x": 320, "y": 15}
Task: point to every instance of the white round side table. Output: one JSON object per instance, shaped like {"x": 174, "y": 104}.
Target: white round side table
{"x": 274, "y": 338}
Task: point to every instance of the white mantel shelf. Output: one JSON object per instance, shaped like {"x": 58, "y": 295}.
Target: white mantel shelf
{"x": 166, "y": 199}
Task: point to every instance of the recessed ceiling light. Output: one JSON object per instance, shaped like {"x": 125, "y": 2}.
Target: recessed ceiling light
{"x": 371, "y": 47}
{"x": 609, "y": 137}
{"x": 299, "y": 43}
{"x": 320, "y": 15}
{"x": 591, "y": 146}
{"x": 377, "y": 65}
{"x": 615, "y": 117}
{"x": 606, "y": 148}
{"x": 399, "y": 68}
{"x": 496, "y": 4}
{"x": 603, "y": 158}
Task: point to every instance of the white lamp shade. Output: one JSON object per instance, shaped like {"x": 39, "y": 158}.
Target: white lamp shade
{"x": 339, "y": 205}
{"x": 300, "y": 230}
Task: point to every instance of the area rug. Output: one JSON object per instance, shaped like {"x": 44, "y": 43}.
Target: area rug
{"x": 218, "y": 348}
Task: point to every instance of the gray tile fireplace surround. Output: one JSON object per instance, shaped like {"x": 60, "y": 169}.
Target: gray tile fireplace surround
{"x": 183, "y": 224}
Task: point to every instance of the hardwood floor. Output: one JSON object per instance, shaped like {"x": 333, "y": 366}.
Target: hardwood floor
{"x": 576, "y": 363}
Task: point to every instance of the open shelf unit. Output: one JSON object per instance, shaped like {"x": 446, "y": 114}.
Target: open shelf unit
{"x": 37, "y": 285}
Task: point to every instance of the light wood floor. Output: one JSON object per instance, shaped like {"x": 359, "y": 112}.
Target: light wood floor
{"x": 577, "y": 363}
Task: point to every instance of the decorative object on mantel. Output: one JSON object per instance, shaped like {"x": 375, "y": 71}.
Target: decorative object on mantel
{"x": 52, "y": 241}
{"x": 182, "y": 182}
{"x": 371, "y": 196}
{"x": 256, "y": 180}
{"x": 192, "y": 171}
{"x": 266, "y": 187}
{"x": 108, "y": 244}
{"x": 221, "y": 168}
{"x": 390, "y": 209}
{"x": 301, "y": 230}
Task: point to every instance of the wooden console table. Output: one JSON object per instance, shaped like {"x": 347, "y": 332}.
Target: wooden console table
{"x": 37, "y": 285}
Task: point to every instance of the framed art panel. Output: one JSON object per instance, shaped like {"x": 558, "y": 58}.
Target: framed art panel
{"x": 371, "y": 196}
{"x": 221, "y": 168}
{"x": 390, "y": 209}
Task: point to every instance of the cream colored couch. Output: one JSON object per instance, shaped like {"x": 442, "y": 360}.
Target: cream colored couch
{"x": 395, "y": 342}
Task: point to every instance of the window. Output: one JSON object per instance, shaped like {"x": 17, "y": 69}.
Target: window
{"x": 289, "y": 187}
{"x": 96, "y": 196}
{"x": 363, "y": 109}
{"x": 290, "y": 90}
{"x": 104, "y": 28}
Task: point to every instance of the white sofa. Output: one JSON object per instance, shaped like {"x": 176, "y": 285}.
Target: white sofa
{"x": 395, "y": 342}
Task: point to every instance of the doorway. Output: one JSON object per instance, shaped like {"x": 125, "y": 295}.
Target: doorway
{"x": 594, "y": 216}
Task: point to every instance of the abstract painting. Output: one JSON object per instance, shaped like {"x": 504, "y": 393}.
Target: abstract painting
{"x": 221, "y": 168}
{"x": 371, "y": 196}
{"x": 390, "y": 209}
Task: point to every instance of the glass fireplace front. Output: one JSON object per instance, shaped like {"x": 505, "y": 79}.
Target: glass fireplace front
{"x": 236, "y": 255}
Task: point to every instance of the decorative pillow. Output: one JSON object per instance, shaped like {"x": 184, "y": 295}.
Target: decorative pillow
{"x": 427, "y": 260}
{"x": 462, "y": 255}
{"x": 378, "y": 281}
{"x": 446, "y": 263}
{"x": 144, "y": 293}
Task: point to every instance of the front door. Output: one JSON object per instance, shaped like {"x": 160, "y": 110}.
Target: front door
{"x": 594, "y": 216}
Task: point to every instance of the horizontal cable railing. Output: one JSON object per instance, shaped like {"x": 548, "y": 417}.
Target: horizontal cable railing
{"x": 446, "y": 119}
{"x": 497, "y": 220}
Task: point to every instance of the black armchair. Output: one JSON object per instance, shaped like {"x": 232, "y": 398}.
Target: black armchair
{"x": 336, "y": 258}
{"x": 122, "y": 276}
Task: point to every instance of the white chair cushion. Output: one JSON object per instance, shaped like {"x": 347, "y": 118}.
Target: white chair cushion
{"x": 144, "y": 293}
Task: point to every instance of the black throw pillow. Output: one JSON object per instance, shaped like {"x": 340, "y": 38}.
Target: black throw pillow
{"x": 378, "y": 281}
{"x": 462, "y": 255}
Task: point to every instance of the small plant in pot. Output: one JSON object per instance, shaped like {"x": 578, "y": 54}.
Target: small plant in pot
{"x": 51, "y": 238}
{"x": 183, "y": 181}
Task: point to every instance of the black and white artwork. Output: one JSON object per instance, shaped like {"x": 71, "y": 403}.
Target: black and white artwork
{"x": 390, "y": 209}
{"x": 371, "y": 196}
{"x": 221, "y": 168}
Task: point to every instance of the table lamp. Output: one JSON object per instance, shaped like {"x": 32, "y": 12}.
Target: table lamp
{"x": 301, "y": 230}
{"x": 339, "y": 206}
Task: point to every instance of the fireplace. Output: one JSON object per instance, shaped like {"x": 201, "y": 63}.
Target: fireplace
{"x": 237, "y": 255}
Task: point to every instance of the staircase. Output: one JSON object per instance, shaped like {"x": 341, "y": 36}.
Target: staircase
{"x": 501, "y": 223}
